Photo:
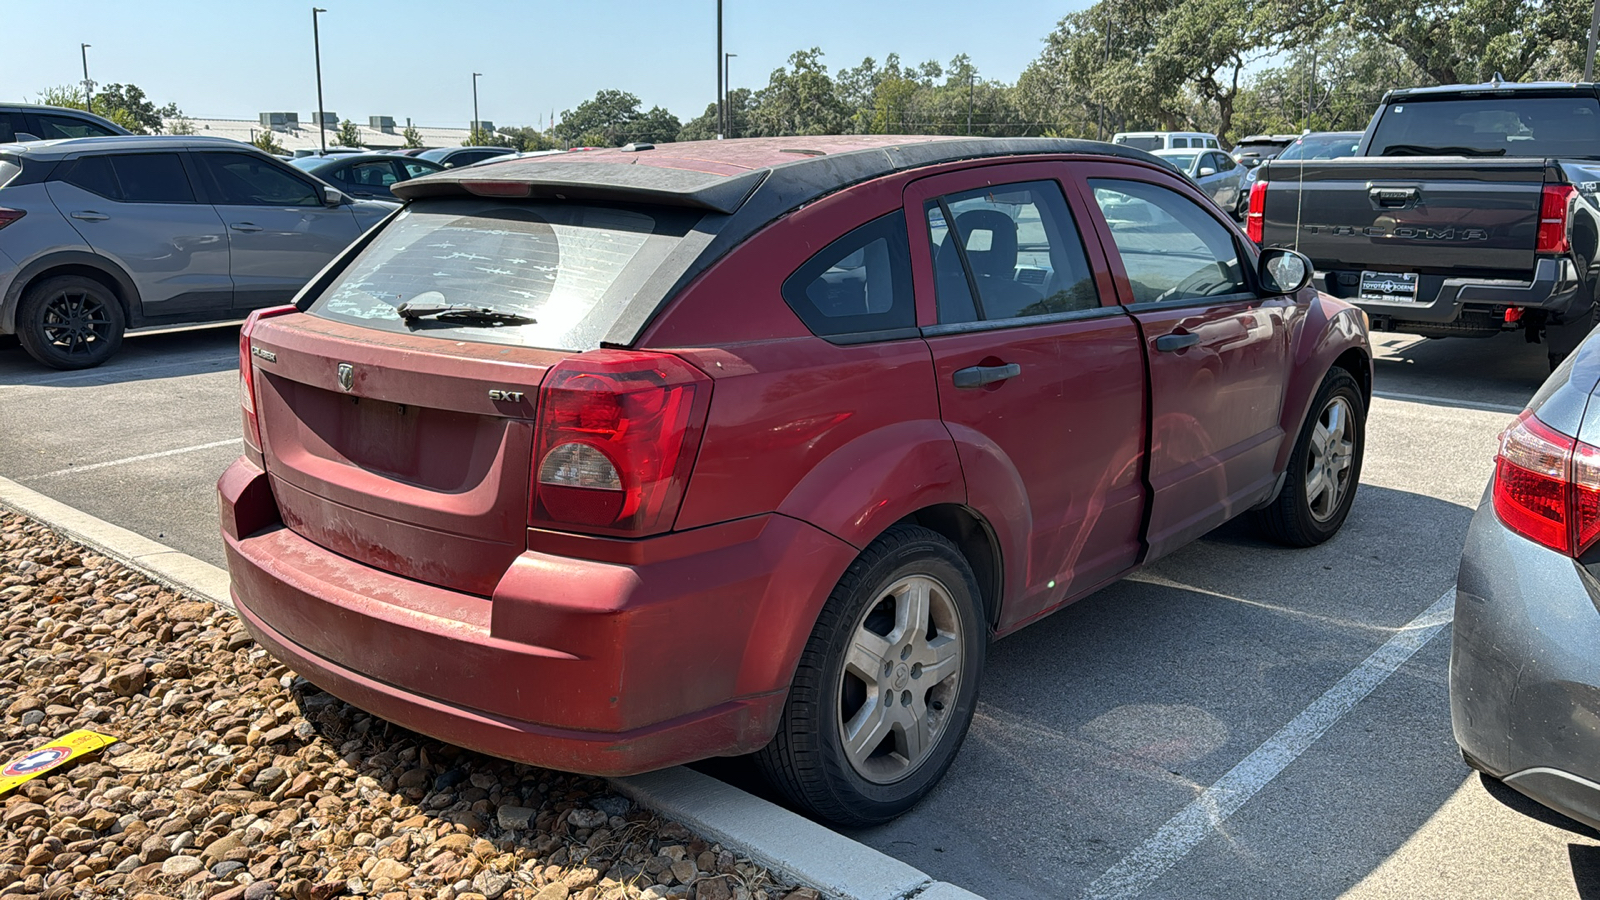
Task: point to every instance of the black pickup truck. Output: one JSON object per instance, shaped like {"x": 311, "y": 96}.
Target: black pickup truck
{"x": 1468, "y": 210}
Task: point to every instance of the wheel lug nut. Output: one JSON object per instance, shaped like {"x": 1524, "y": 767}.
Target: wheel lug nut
{"x": 905, "y": 651}
{"x": 887, "y": 667}
{"x": 916, "y": 670}
{"x": 905, "y": 698}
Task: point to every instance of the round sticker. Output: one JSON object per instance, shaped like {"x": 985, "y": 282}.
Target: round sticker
{"x": 37, "y": 760}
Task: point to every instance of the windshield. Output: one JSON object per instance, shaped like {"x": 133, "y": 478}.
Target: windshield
{"x": 1490, "y": 126}
{"x": 1323, "y": 146}
{"x": 571, "y": 269}
{"x": 307, "y": 162}
{"x": 1183, "y": 161}
{"x": 1148, "y": 142}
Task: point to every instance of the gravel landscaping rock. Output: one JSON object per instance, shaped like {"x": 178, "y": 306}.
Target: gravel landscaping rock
{"x": 236, "y": 780}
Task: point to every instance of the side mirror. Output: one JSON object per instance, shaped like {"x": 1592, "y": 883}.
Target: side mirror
{"x": 1283, "y": 271}
{"x": 333, "y": 197}
{"x": 1207, "y": 170}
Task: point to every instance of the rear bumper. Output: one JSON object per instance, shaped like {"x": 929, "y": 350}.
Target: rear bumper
{"x": 608, "y": 668}
{"x": 1525, "y": 669}
{"x": 1553, "y": 288}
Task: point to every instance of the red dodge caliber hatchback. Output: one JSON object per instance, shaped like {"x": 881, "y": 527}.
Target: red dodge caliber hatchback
{"x": 617, "y": 460}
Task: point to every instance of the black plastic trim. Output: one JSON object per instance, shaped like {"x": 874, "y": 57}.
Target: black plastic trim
{"x": 1100, "y": 312}
{"x": 1239, "y": 297}
{"x": 871, "y": 337}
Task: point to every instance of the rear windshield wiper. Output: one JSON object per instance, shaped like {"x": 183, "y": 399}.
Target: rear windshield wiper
{"x": 1425, "y": 150}
{"x": 412, "y": 311}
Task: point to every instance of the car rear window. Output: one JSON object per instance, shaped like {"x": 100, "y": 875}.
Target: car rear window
{"x": 1490, "y": 126}
{"x": 1143, "y": 143}
{"x": 573, "y": 268}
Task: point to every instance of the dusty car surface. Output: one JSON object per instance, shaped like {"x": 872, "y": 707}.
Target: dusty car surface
{"x": 617, "y": 460}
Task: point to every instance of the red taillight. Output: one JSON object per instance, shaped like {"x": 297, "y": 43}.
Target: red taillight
{"x": 1553, "y": 206}
{"x": 7, "y": 216}
{"x": 498, "y": 188}
{"x": 247, "y": 381}
{"x": 618, "y": 432}
{"x": 1255, "y": 221}
{"x": 1547, "y": 486}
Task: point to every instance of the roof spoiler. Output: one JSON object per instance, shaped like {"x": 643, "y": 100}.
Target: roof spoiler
{"x": 544, "y": 178}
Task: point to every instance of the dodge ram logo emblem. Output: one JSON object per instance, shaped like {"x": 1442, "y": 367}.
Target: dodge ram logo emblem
{"x": 347, "y": 376}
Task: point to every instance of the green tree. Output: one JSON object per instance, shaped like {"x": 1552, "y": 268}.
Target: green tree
{"x": 348, "y": 134}
{"x": 266, "y": 142}
{"x": 526, "y": 138}
{"x": 478, "y": 137}
{"x": 1466, "y": 41}
{"x": 800, "y": 99}
{"x": 613, "y": 118}
{"x": 72, "y": 98}
{"x": 413, "y": 137}
{"x": 181, "y": 125}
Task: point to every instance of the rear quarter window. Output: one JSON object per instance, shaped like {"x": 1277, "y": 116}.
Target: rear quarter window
{"x": 572, "y": 268}
{"x": 858, "y": 285}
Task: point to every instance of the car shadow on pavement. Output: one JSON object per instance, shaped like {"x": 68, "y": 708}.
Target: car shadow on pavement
{"x": 1504, "y": 368}
{"x": 163, "y": 354}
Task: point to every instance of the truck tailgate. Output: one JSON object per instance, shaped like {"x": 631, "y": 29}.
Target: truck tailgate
{"x": 1417, "y": 214}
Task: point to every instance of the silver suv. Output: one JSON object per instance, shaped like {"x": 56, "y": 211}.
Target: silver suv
{"x": 99, "y": 235}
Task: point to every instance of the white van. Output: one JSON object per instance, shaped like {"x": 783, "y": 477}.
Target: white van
{"x": 1166, "y": 140}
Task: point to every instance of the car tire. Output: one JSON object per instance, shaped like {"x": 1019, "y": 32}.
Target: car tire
{"x": 909, "y": 575}
{"x": 1321, "y": 483}
{"x": 70, "y": 322}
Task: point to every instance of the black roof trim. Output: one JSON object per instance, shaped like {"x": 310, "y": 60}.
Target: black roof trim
{"x": 616, "y": 182}
{"x": 1456, "y": 91}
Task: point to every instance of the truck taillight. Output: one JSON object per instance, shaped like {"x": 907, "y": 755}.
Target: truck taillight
{"x": 1554, "y": 204}
{"x": 1255, "y": 221}
{"x": 247, "y": 380}
{"x": 1547, "y": 486}
{"x": 618, "y": 433}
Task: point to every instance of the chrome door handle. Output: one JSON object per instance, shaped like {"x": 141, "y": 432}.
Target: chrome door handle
{"x": 1171, "y": 342}
{"x": 89, "y": 215}
{"x": 978, "y": 376}
{"x": 245, "y": 226}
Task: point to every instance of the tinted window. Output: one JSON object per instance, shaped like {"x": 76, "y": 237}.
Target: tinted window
{"x": 1172, "y": 249}
{"x": 416, "y": 169}
{"x": 1336, "y": 146}
{"x": 53, "y": 127}
{"x": 376, "y": 174}
{"x": 1184, "y": 161}
{"x": 573, "y": 268}
{"x": 240, "y": 179}
{"x": 93, "y": 174}
{"x": 10, "y": 126}
{"x": 1142, "y": 143}
{"x": 1018, "y": 245}
{"x": 1490, "y": 126}
{"x": 152, "y": 178}
{"x": 859, "y": 283}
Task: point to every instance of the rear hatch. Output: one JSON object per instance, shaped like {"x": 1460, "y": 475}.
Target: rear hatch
{"x": 406, "y": 442}
{"x": 1435, "y": 214}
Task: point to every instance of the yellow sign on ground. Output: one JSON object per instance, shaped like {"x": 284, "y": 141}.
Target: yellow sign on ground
{"x": 57, "y": 752}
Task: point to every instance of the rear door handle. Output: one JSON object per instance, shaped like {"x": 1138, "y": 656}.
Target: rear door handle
{"x": 1393, "y": 198}
{"x": 245, "y": 226}
{"x": 978, "y": 376}
{"x": 1171, "y": 342}
{"x": 89, "y": 215}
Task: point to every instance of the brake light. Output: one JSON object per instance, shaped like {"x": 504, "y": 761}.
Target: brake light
{"x": 498, "y": 188}
{"x": 618, "y": 433}
{"x": 7, "y": 216}
{"x": 1547, "y": 486}
{"x": 1553, "y": 206}
{"x": 1255, "y": 221}
{"x": 247, "y": 381}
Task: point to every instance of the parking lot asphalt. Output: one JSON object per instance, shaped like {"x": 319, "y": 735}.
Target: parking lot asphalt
{"x": 1222, "y": 724}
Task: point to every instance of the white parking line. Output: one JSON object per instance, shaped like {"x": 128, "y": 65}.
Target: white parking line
{"x": 1197, "y": 821}
{"x": 73, "y": 470}
{"x": 1447, "y": 401}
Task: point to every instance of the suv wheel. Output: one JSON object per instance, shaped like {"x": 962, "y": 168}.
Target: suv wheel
{"x": 70, "y": 322}
{"x": 886, "y": 685}
{"x": 1324, "y": 468}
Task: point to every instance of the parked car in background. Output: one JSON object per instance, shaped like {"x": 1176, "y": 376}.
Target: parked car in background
{"x": 98, "y": 235}
{"x": 451, "y": 157}
{"x": 1314, "y": 146}
{"x": 1222, "y": 179}
{"x": 1468, "y": 210}
{"x": 831, "y": 418}
{"x": 1525, "y": 653}
{"x": 1166, "y": 140}
{"x": 366, "y": 175}
{"x": 1253, "y": 150}
{"x": 33, "y": 122}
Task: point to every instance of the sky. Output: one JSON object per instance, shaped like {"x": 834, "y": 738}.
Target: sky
{"x": 407, "y": 58}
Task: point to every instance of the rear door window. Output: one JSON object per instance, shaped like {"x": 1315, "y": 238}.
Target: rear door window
{"x": 152, "y": 178}
{"x": 54, "y": 127}
{"x": 571, "y": 268}
{"x": 243, "y": 179}
{"x": 93, "y": 174}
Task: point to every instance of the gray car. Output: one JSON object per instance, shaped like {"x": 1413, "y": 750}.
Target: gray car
{"x": 1525, "y": 658}
{"x": 99, "y": 235}
{"x": 35, "y": 122}
{"x": 1222, "y": 178}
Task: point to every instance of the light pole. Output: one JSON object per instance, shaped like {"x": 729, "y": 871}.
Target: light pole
{"x": 316, "y": 47}
{"x": 721, "y": 61}
{"x": 473, "y": 136}
{"x": 971, "y": 74}
{"x": 726, "y": 126}
{"x": 88, "y": 86}
{"x": 1594, "y": 32}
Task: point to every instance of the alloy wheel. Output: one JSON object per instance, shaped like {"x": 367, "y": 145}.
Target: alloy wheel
{"x": 898, "y": 686}
{"x": 76, "y": 322}
{"x": 1327, "y": 477}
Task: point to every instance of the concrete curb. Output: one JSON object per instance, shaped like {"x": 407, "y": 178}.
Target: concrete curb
{"x": 789, "y": 844}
